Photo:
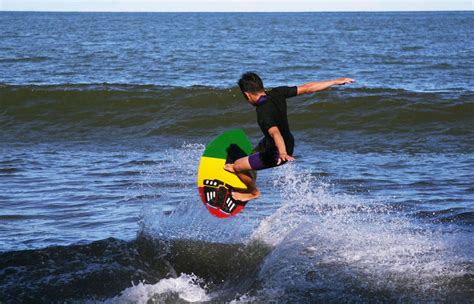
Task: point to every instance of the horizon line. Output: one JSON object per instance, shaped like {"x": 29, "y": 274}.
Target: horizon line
{"x": 296, "y": 11}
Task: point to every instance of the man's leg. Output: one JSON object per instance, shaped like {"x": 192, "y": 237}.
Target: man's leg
{"x": 241, "y": 168}
{"x": 258, "y": 148}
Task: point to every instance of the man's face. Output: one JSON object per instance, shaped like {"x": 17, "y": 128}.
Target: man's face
{"x": 249, "y": 97}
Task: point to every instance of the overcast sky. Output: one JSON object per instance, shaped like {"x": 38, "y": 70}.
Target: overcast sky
{"x": 234, "y": 5}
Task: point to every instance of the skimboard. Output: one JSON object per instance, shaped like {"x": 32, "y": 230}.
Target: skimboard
{"x": 215, "y": 184}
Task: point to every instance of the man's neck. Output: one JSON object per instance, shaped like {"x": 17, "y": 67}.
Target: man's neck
{"x": 261, "y": 99}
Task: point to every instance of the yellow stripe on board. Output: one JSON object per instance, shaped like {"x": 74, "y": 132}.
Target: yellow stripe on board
{"x": 213, "y": 168}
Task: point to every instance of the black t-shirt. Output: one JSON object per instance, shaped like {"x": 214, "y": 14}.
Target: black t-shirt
{"x": 272, "y": 113}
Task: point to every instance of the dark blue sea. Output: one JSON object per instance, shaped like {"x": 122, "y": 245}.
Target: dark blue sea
{"x": 104, "y": 116}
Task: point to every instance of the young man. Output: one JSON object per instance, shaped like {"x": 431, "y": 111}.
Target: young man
{"x": 276, "y": 148}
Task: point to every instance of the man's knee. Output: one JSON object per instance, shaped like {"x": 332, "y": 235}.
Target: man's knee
{"x": 241, "y": 165}
{"x": 238, "y": 167}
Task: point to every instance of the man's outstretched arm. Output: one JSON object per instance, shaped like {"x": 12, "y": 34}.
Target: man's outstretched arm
{"x": 317, "y": 86}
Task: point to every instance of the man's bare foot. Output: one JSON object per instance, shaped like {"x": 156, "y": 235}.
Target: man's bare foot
{"x": 245, "y": 196}
{"x": 229, "y": 168}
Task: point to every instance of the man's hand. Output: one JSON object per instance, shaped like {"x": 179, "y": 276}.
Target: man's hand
{"x": 343, "y": 81}
{"x": 284, "y": 157}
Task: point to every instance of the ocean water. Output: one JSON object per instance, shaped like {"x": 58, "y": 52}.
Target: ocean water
{"x": 104, "y": 116}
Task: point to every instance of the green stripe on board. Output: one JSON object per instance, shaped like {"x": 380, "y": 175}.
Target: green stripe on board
{"x": 217, "y": 147}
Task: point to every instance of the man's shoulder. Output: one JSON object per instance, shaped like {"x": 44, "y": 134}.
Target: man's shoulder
{"x": 283, "y": 91}
{"x": 277, "y": 90}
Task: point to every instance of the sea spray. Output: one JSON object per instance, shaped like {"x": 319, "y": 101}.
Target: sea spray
{"x": 337, "y": 246}
{"x": 324, "y": 241}
{"x": 184, "y": 216}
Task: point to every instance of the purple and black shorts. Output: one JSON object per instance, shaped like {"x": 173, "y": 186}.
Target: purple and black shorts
{"x": 264, "y": 157}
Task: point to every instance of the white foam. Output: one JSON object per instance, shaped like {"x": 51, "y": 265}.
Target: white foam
{"x": 179, "y": 213}
{"x": 322, "y": 239}
{"x": 185, "y": 287}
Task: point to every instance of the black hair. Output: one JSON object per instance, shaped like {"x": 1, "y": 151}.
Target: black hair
{"x": 250, "y": 82}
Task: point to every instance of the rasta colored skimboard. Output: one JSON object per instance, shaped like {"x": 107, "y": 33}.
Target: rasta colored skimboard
{"x": 215, "y": 184}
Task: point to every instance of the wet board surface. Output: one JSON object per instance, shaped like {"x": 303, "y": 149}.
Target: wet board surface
{"x": 216, "y": 184}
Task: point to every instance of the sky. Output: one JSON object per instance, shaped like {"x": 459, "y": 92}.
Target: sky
{"x": 234, "y": 5}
